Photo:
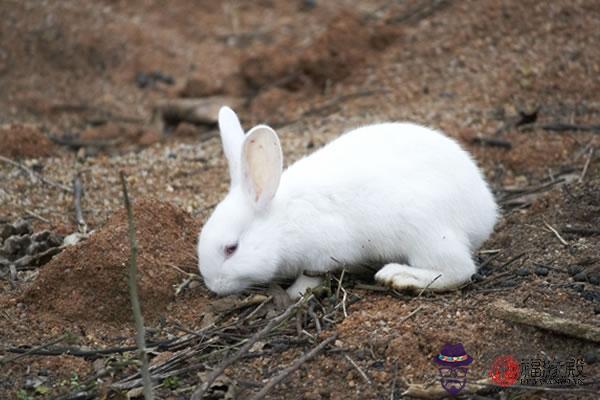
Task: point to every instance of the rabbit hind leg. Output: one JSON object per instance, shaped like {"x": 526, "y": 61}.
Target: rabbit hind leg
{"x": 442, "y": 270}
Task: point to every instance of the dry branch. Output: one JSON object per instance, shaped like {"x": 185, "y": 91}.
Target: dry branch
{"x": 560, "y": 238}
{"x": 197, "y": 395}
{"x": 492, "y": 142}
{"x": 33, "y": 350}
{"x": 78, "y": 194}
{"x": 34, "y": 175}
{"x": 563, "y": 127}
{"x": 297, "y": 364}
{"x": 502, "y": 309}
{"x": 201, "y": 111}
{"x": 358, "y": 368}
{"x": 133, "y": 293}
{"x": 436, "y": 391}
{"x": 581, "y": 231}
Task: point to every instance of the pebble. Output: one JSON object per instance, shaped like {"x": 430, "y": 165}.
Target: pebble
{"x": 541, "y": 271}
{"x": 578, "y": 287}
{"x": 22, "y": 227}
{"x": 591, "y": 357}
{"x": 594, "y": 279}
{"x": 523, "y": 271}
{"x": 41, "y": 236}
{"x": 591, "y": 295}
{"x": 580, "y": 277}
{"x": 574, "y": 269}
{"x": 476, "y": 277}
{"x": 6, "y": 231}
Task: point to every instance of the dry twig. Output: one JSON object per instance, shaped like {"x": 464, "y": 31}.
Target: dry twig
{"x": 436, "y": 391}
{"x": 580, "y": 231}
{"x": 78, "y": 193}
{"x": 33, "y": 350}
{"x": 133, "y": 293}
{"x": 360, "y": 371}
{"x": 502, "y": 309}
{"x": 34, "y": 175}
{"x": 586, "y": 165}
{"x": 197, "y": 395}
{"x": 297, "y": 364}
{"x": 560, "y": 238}
{"x": 492, "y": 142}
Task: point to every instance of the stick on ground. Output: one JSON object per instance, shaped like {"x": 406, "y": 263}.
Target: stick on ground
{"x": 133, "y": 293}
{"x": 78, "y": 194}
{"x": 197, "y": 395}
{"x": 297, "y": 364}
{"x": 502, "y": 309}
{"x": 34, "y": 175}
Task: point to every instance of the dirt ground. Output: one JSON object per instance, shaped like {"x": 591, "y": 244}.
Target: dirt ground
{"x": 82, "y": 83}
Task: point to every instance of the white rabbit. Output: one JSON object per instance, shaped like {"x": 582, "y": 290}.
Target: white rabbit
{"x": 394, "y": 193}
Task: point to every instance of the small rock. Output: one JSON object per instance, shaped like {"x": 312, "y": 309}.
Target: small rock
{"x": 22, "y": 227}
{"x": 591, "y": 357}
{"x": 574, "y": 269}
{"x": 580, "y": 277}
{"x": 523, "y": 271}
{"x": 37, "y": 247}
{"x": 378, "y": 365}
{"x": 194, "y": 284}
{"x": 41, "y": 236}
{"x": 308, "y": 4}
{"x": 162, "y": 77}
{"x": 11, "y": 246}
{"x": 597, "y": 310}
{"x": 594, "y": 279}
{"x": 578, "y": 287}
{"x": 35, "y": 381}
{"x": 23, "y": 261}
{"x": 73, "y": 239}
{"x": 142, "y": 80}
{"x": 476, "y": 277}
{"x": 541, "y": 271}
{"x": 149, "y": 79}
{"x": 6, "y": 231}
{"x": 591, "y": 295}
{"x": 55, "y": 240}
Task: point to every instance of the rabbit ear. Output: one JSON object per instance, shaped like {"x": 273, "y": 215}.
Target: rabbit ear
{"x": 232, "y": 137}
{"x": 262, "y": 164}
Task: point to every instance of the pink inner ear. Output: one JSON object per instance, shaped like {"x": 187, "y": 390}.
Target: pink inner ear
{"x": 262, "y": 164}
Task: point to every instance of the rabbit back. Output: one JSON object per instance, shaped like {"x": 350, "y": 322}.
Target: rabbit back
{"x": 379, "y": 192}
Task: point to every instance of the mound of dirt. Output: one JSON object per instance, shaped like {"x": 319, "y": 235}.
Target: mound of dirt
{"x": 24, "y": 141}
{"x": 88, "y": 282}
{"x": 346, "y": 43}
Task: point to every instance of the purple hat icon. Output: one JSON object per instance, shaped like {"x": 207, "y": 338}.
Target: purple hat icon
{"x": 453, "y": 355}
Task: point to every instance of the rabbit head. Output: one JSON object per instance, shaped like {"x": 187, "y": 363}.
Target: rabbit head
{"x": 234, "y": 249}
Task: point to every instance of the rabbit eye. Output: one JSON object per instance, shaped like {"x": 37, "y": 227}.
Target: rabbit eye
{"x": 230, "y": 249}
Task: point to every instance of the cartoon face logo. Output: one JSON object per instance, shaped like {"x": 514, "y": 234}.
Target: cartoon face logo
{"x": 453, "y": 364}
